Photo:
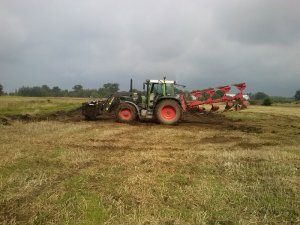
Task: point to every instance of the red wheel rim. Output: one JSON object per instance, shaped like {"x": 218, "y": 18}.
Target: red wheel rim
{"x": 125, "y": 114}
{"x": 168, "y": 112}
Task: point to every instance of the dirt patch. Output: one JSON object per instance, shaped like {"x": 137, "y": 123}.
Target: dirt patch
{"x": 249, "y": 145}
{"x": 4, "y": 121}
{"x": 245, "y": 128}
{"x": 73, "y": 116}
{"x": 218, "y": 121}
{"x": 196, "y": 118}
{"x": 65, "y": 116}
{"x": 216, "y": 139}
{"x": 208, "y": 121}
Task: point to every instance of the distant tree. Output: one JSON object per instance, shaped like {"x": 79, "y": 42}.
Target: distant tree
{"x": 36, "y": 91}
{"x": 65, "y": 93}
{"x": 108, "y": 89}
{"x": 46, "y": 90}
{"x": 32, "y": 91}
{"x": 260, "y": 96}
{"x": 94, "y": 93}
{"x": 267, "y": 101}
{"x": 297, "y": 95}
{"x": 111, "y": 87}
{"x": 39, "y": 91}
{"x": 77, "y": 87}
{"x": 1, "y": 89}
{"x": 56, "y": 91}
{"x": 23, "y": 91}
{"x": 77, "y": 91}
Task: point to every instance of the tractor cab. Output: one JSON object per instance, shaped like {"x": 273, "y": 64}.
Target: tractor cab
{"x": 157, "y": 89}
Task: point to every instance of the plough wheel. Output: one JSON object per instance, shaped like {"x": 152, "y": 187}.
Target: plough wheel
{"x": 126, "y": 113}
{"x": 168, "y": 112}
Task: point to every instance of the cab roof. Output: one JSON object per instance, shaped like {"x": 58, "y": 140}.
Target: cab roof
{"x": 162, "y": 81}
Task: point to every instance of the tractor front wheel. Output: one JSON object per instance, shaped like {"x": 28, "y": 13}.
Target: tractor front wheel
{"x": 126, "y": 113}
{"x": 168, "y": 112}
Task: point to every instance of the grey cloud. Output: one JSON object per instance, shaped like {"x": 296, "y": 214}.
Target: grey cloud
{"x": 260, "y": 22}
{"x": 200, "y": 43}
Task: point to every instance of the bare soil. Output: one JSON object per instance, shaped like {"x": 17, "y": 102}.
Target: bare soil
{"x": 213, "y": 120}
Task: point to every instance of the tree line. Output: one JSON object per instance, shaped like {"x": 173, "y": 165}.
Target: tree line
{"x": 104, "y": 91}
{"x": 77, "y": 91}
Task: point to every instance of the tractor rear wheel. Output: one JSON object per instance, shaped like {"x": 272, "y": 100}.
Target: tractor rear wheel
{"x": 168, "y": 112}
{"x": 126, "y": 113}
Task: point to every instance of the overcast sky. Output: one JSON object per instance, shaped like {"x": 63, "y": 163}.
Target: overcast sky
{"x": 203, "y": 43}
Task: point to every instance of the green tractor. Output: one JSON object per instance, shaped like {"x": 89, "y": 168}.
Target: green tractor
{"x": 159, "y": 101}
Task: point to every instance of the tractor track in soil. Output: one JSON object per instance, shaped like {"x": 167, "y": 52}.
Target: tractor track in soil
{"x": 209, "y": 121}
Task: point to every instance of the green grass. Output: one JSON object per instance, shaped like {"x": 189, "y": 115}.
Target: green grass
{"x": 103, "y": 172}
{"x": 16, "y": 105}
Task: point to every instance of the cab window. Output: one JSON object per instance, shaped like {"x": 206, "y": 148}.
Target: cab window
{"x": 157, "y": 89}
{"x": 170, "y": 89}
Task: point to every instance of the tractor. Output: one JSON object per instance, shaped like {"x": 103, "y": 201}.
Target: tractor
{"x": 161, "y": 100}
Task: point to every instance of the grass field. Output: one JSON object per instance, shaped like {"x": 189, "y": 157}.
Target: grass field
{"x": 232, "y": 168}
{"x": 16, "y": 105}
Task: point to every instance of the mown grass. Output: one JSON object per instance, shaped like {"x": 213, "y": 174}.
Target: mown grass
{"x": 17, "y": 105}
{"x": 216, "y": 170}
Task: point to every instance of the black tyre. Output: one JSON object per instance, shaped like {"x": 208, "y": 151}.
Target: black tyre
{"x": 168, "y": 112}
{"x": 126, "y": 113}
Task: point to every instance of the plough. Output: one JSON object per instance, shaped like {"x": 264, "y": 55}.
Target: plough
{"x": 236, "y": 102}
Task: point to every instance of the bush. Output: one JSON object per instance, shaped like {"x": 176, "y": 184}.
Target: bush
{"x": 254, "y": 102}
{"x": 297, "y": 95}
{"x": 260, "y": 96}
{"x": 1, "y": 89}
{"x": 267, "y": 102}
